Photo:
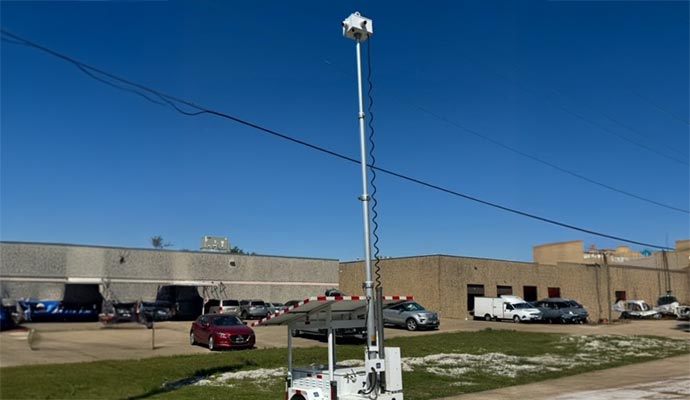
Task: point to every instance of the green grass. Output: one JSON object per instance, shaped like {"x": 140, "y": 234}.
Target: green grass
{"x": 520, "y": 357}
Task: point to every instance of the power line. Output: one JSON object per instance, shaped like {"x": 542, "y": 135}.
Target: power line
{"x": 660, "y": 108}
{"x": 540, "y": 160}
{"x": 580, "y": 116}
{"x": 168, "y": 99}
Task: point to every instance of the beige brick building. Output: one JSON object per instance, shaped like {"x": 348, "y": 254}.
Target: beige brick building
{"x": 449, "y": 284}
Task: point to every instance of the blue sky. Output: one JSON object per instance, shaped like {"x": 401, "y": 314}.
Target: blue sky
{"x": 85, "y": 163}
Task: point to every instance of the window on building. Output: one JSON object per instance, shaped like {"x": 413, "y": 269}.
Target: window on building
{"x": 504, "y": 290}
{"x": 620, "y": 295}
{"x": 529, "y": 293}
{"x": 472, "y": 292}
{"x": 554, "y": 292}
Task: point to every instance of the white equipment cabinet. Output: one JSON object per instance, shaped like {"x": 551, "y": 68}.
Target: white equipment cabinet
{"x": 334, "y": 381}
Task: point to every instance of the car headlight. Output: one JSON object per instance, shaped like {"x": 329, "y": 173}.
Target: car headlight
{"x": 571, "y": 313}
{"x": 222, "y": 335}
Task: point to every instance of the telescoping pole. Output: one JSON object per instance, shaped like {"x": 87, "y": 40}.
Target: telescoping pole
{"x": 372, "y": 344}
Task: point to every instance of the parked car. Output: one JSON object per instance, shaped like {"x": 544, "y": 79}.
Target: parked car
{"x": 636, "y": 309}
{"x": 667, "y": 304}
{"x": 9, "y": 318}
{"x": 223, "y": 306}
{"x": 561, "y": 310}
{"x": 221, "y": 331}
{"x": 118, "y": 312}
{"x": 683, "y": 313}
{"x": 410, "y": 315}
{"x": 155, "y": 311}
{"x": 253, "y": 309}
{"x": 275, "y": 307}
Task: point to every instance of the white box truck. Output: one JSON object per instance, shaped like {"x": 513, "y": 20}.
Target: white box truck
{"x": 505, "y": 307}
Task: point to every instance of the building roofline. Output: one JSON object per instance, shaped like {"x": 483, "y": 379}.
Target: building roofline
{"x": 158, "y": 250}
{"x": 559, "y": 243}
{"x": 444, "y": 255}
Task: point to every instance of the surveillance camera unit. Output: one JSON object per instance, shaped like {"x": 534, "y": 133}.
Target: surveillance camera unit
{"x": 357, "y": 27}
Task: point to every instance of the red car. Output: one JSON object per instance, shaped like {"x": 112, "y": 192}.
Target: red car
{"x": 221, "y": 331}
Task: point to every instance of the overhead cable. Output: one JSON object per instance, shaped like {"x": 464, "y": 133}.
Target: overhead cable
{"x": 540, "y": 160}
{"x": 170, "y": 100}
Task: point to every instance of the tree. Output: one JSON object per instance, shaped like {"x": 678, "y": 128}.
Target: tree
{"x": 237, "y": 250}
{"x": 158, "y": 243}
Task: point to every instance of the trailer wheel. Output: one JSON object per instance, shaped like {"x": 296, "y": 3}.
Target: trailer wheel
{"x": 487, "y": 317}
{"x": 516, "y": 319}
{"x": 411, "y": 324}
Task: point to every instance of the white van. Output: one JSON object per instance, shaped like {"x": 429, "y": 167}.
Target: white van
{"x": 505, "y": 307}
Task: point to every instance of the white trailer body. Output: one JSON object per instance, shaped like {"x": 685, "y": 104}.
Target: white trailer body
{"x": 334, "y": 381}
{"x": 505, "y": 307}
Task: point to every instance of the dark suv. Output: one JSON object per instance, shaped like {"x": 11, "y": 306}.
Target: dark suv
{"x": 556, "y": 309}
{"x": 253, "y": 309}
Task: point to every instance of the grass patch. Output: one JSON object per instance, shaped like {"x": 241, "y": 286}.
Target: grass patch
{"x": 434, "y": 366}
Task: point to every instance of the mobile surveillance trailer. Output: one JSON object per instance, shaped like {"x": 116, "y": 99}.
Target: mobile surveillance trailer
{"x": 380, "y": 377}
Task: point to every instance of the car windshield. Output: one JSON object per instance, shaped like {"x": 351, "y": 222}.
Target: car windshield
{"x": 231, "y": 303}
{"x": 227, "y": 321}
{"x": 573, "y": 303}
{"x": 257, "y": 303}
{"x": 522, "y": 305}
{"x": 412, "y": 307}
{"x": 667, "y": 300}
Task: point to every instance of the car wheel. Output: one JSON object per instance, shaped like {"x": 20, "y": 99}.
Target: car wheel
{"x": 211, "y": 344}
{"x": 243, "y": 315}
{"x": 487, "y": 317}
{"x": 625, "y": 315}
{"x": 192, "y": 341}
{"x": 657, "y": 316}
{"x": 563, "y": 321}
{"x": 411, "y": 324}
{"x": 296, "y": 333}
{"x": 516, "y": 319}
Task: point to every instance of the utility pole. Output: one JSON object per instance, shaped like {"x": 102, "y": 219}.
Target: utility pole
{"x": 608, "y": 286}
{"x": 667, "y": 272}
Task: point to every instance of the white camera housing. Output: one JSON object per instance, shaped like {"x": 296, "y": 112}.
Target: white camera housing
{"x": 357, "y": 27}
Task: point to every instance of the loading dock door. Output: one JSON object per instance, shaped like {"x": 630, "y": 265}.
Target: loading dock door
{"x": 472, "y": 292}
{"x": 529, "y": 293}
{"x": 504, "y": 290}
{"x": 80, "y": 294}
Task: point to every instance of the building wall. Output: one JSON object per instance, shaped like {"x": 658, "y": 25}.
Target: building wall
{"x": 441, "y": 282}
{"x": 40, "y": 270}
{"x": 552, "y": 253}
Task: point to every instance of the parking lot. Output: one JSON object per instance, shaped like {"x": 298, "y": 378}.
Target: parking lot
{"x": 50, "y": 343}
